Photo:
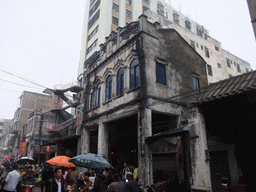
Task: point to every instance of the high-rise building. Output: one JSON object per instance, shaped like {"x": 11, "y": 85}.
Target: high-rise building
{"x": 102, "y": 17}
{"x": 252, "y": 10}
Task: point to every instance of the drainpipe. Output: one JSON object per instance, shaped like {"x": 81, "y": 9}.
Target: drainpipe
{"x": 40, "y": 134}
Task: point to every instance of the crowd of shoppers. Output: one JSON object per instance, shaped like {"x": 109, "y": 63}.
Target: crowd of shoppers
{"x": 58, "y": 179}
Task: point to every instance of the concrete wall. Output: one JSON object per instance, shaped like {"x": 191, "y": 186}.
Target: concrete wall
{"x": 200, "y": 168}
{"x": 200, "y": 44}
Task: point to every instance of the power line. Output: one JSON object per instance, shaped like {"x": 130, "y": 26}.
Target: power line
{"x": 19, "y": 84}
{"x": 22, "y": 78}
{"x": 10, "y": 90}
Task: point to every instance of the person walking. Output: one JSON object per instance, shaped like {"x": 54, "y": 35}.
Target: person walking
{"x": 57, "y": 183}
{"x": 12, "y": 179}
{"x": 47, "y": 174}
{"x": 100, "y": 183}
{"x": 118, "y": 185}
{"x": 126, "y": 169}
{"x": 131, "y": 185}
{"x": 87, "y": 183}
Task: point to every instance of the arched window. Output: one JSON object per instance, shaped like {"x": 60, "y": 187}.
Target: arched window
{"x": 120, "y": 82}
{"x": 98, "y": 90}
{"x": 90, "y": 99}
{"x": 109, "y": 88}
{"x": 134, "y": 74}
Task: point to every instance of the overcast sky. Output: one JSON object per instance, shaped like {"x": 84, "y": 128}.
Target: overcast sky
{"x": 40, "y": 40}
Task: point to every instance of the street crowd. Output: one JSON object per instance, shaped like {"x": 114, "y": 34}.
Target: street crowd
{"x": 51, "y": 178}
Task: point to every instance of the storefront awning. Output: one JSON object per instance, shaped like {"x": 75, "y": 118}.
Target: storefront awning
{"x": 170, "y": 133}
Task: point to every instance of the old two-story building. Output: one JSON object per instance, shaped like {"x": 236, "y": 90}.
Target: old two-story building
{"x": 37, "y": 133}
{"x": 148, "y": 103}
{"x": 131, "y": 91}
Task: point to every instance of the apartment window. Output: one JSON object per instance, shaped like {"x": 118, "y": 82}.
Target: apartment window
{"x": 109, "y": 88}
{"x": 160, "y": 73}
{"x": 219, "y": 65}
{"x": 120, "y": 82}
{"x": 160, "y": 9}
{"x": 188, "y": 24}
{"x": 230, "y": 75}
{"x": 80, "y": 110}
{"x": 129, "y": 2}
{"x": 192, "y": 43}
{"x": 115, "y": 7}
{"x": 202, "y": 47}
{"x": 98, "y": 91}
{"x": 94, "y": 8}
{"x": 93, "y": 19}
{"x": 91, "y": 2}
{"x": 228, "y": 62}
{"x": 209, "y": 69}
{"x": 144, "y": 9}
{"x": 238, "y": 68}
{"x": 93, "y": 32}
{"x": 92, "y": 46}
{"x": 199, "y": 31}
{"x": 176, "y": 18}
{"x": 247, "y": 70}
{"x": 206, "y": 52}
{"x": 216, "y": 48}
{"x": 196, "y": 85}
{"x": 114, "y": 20}
{"x": 128, "y": 14}
{"x": 134, "y": 74}
{"x": 90, "y": 100}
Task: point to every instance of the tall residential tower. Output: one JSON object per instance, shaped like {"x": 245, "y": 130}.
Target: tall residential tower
{"x": 103, "y": 17}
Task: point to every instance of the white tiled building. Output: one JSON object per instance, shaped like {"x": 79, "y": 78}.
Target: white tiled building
{"x": 102, "y": 17}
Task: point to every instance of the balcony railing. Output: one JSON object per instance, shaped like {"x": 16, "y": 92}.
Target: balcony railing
{"x": 65, "y": 86}
{"x": 59, "y": 127}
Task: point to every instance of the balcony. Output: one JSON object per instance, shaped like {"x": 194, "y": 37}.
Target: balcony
{"x": 62, "y": 126}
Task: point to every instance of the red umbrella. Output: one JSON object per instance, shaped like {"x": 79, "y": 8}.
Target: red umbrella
{"x": 6, "y": 157}
{"x": 60, "y": 161}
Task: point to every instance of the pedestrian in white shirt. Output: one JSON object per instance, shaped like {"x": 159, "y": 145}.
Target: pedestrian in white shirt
{"x": 11, "y": 180}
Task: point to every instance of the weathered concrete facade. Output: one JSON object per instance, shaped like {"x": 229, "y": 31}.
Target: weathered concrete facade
{"x": 217, "y": 56}
{"x": 144, "y": 76}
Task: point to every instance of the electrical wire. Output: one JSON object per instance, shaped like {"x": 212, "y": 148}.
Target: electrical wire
{"x": 22, "y": 78}
{"x": 19, "y": 84}
{"x": 10, "y": 90}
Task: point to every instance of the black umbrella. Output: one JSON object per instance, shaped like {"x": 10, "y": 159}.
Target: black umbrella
{"x": 25, "y": 160}
{"x": 91, "y": 160}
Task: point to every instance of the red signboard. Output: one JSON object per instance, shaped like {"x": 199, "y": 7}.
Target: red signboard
{"x": 48, "y": 148}
{"x": 50, "y": 127}
{"x": 23, "y": 148}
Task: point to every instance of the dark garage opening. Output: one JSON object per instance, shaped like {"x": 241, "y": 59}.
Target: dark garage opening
{"x": 123, "y": 142}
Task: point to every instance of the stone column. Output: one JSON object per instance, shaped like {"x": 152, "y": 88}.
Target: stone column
{"x": 85, "y": 140}
{"x": 200, "y": 166}
{"x": 114, "y": 85}
{"x": 127, "y": 77}
{"x": 144, "y": 150}
{"x": 103, "y": 140}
